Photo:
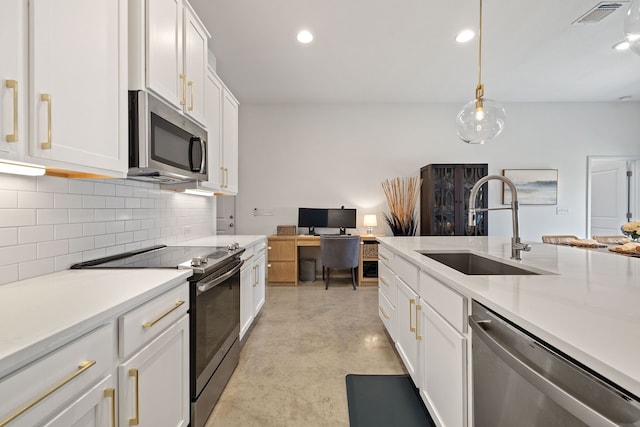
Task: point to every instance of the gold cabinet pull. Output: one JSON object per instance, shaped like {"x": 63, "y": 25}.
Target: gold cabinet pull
{"x": 418, "y": 336}
{"x": 135, "y": 420}
{"x": 411, "y": 303}
{"x": 386, "y": 316}
{"x": 384, "y": 282}
{"x": 226, "y": 177}
{"x": 163, "y": 315}
{"x": 46, "y": 97}
{"x": 13, "y": 84}
{"x": 190, "y": 84}
{"x": 110, "y": 393}
{"x": 81, "y": 368}
{"x": 268, "y": 265}
{"x": 382, "y": 256}
{"x": 183, "y": 99}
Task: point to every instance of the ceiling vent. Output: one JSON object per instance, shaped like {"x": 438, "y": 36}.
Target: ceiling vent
{"x": 599, "y": 12}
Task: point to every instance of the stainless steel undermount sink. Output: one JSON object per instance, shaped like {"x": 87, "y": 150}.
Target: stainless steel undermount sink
{"x": 475, "y": 265}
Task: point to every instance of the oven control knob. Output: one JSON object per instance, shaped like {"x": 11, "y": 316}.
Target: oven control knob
{"x": 233, "y": 246}
{"x": 198, "y": 261}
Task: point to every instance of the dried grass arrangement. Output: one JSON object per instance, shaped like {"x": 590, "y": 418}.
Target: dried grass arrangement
{"x": 402, "y": 197}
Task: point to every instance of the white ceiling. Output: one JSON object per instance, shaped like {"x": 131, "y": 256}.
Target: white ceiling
{"x": 398, "y": 51}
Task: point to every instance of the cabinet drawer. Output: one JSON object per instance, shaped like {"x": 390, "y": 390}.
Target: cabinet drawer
{"x": 387, "y": 283}
{"x": 57, "y": 378}
{"x": 408, "y": 272}
{"x": 387, "y": 313}
{"x": 386, "y": 256}
{"x": 448, "y": 303}
{"x": 281, "y": 250}
{"x": 142, "y": 324}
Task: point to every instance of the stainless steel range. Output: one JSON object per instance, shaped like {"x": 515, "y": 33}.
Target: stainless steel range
{"x": 214, "y": 312}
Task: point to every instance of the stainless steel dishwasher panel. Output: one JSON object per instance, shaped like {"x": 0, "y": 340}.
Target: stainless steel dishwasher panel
{"x": 518, "y": 380}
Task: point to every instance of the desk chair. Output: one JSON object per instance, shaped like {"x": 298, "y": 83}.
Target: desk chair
{"x": 558, "y": 239}
{"x": 340, "y": 252}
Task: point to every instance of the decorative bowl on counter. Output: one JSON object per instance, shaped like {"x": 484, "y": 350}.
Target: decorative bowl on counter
{"x": 631, "y": 230}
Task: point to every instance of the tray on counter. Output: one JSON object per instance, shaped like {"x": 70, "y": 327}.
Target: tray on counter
{"x": 625, "y": 251}
{"x": 584, "y": 243}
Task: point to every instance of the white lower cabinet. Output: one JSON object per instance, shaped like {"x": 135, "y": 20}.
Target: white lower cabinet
{"x": 154, "y": 383}
{"x": 246, "y": 298}
{"x": 443, "y": 369}
{"x": 252, "y": 285}
{"x": 259, "y": 275}
{"x": 407, "y": 333}
{"x": 95, "y": 408}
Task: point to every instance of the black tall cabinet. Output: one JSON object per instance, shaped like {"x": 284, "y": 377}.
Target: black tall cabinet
{"x": 444, "y": 199}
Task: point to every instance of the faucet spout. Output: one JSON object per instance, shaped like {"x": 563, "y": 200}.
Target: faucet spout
{"x": 516, "y": 245}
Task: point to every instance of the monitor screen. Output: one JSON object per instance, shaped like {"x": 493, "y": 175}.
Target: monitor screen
{"x": 341, "y": 218}
{"x": 312, "y": 217}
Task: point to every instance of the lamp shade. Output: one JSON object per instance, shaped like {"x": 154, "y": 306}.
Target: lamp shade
{"x": 370, "y": 221}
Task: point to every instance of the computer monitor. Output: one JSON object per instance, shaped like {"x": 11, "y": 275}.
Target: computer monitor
{"x": 341, "y": 218}
{"x": 312, "y": 218}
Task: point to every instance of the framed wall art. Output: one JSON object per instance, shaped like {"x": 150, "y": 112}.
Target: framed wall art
{"x": 534, "y": 186}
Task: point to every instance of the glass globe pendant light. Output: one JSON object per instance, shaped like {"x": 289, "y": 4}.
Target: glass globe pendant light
{"x": 632, "y": 26}
{"x": 482, "y": 119}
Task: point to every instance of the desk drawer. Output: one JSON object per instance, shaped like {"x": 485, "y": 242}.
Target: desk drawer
{"x": 281, "y": 250}
{"x": 142, "y": 324}
{"x": 281, "y": 272}
{"x": 81, "y": 363}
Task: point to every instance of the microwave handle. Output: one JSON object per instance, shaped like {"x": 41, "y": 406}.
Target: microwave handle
{"x": 202, "y": 142}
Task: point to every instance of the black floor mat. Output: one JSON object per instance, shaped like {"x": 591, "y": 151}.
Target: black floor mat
{"x": 385, "y": 401}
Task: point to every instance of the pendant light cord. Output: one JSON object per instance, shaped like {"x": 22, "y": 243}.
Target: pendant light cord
{"x": 480, "y": 48}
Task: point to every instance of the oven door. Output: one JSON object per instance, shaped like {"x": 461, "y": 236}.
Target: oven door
{"x": 215, "y": 319}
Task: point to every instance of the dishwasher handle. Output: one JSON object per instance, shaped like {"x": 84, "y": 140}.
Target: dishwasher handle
{"x": 482, "y": 330}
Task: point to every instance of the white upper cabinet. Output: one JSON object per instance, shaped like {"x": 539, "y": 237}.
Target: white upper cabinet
{"x": 78, "y": 92}
{"x": 213, "y": 113}
{"x": 13, "y": 79}
{"x": 168, "y": 53}
{"x": 229, "y": 143}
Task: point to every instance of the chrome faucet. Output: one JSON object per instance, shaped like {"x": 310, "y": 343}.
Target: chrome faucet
{"x": 516, "y": 245}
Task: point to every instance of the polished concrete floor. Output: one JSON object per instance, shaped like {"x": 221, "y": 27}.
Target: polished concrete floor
{"x": 293, "y": 365}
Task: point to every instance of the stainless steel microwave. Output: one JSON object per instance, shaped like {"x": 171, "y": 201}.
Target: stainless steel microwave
{"x": 164, "y": 146}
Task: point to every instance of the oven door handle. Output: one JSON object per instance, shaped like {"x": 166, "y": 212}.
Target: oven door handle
{"x": 215, "y": 282}
{"x": 482, "y": 330}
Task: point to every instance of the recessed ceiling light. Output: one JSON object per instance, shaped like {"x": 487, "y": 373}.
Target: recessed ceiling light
{"x": 464, "y": 36}
{"x": 623, "y": 45}
{"x": 305, "y": 37}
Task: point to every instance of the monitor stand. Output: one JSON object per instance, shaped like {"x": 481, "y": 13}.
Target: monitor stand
{"x": 343, "y": 231}
{"x": 312, "y": 231}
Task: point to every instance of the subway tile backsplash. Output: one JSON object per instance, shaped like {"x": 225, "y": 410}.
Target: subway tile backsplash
{"x": 49, "y": 223}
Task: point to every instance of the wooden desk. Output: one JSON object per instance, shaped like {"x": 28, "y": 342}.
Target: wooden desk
{"x": 283, "y": 258}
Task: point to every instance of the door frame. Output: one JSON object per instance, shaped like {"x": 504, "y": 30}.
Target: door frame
{"x": 635, "y": 185}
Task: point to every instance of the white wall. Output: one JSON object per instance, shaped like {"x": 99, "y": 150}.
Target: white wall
{"x": 49, "y": 223}
{"x": 333, "y": 155}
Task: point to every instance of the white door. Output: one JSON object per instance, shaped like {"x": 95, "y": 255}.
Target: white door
{"x": 78, "y": 85}
{"x": 13, "y": 78}
{"x": 609, "y": 187}
{"x": 226, "y": 215}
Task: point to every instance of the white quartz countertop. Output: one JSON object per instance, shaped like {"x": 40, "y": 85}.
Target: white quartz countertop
{"x": 38, "y": 313}
{"x": 589, "y": 307}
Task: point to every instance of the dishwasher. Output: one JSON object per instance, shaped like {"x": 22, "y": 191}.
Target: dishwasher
{"x": 519, "y": 380}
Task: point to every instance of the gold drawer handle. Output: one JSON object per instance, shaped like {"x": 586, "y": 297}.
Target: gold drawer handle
{"x": 386, "y": 316}
{"x": 81, "y": 368}
{"x": 183, "y": 100}
{"x": 383, "y": 257}
{"x": 163, "y": 315}
{"x": 13, "y": 84}
{"x": 46, "y": 97}
{"x": 411, "y": 328}
{"x": 110, "y": 393}
{"x": 384, "y": 281}
{"x": 418, "y": 336}
{"x": 268, "y": 265}
{"x": 135, "y": 420}
{"x": 190, "y": 84}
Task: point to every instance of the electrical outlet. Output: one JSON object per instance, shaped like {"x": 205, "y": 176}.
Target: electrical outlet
{"x": 562, "y": 211}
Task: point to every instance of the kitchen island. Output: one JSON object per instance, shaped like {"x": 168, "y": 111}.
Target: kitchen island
{"x": 585, "y": 303}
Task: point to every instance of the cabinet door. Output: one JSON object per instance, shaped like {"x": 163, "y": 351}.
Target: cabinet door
{"x": 230, "y": 142}
{"x": 154, "y": 383}
{"x": 95, "y": 408}
{"x": 164, "y": 50}
{"x": 259, "y": 285}
{"x": 444, "y": 367}
{"x": 246, "y": 299}
{"x": 195, "y": 65}
{"x": 13, "y": 79}
{"x": 78, "y": 85}
{"x": 406, "y": 334}
{"x": 213, "y": 113}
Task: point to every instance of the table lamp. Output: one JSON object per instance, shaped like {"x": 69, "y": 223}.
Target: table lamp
{"x": 370, "y": 221}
